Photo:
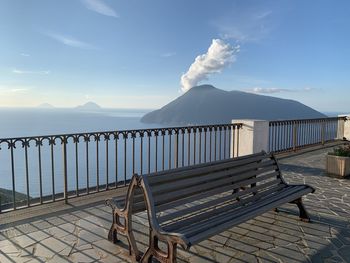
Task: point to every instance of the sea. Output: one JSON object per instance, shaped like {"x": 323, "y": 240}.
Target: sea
{"x": 27, "y": 122}
{"x": 21, "y": 122}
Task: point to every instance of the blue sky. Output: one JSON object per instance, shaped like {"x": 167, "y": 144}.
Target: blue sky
{"x": 132, "y": 54}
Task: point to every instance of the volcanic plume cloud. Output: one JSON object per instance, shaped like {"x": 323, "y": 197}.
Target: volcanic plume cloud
{"x": 218, "y": 56}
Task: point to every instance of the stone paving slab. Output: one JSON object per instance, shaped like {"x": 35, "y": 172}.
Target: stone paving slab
{"x": 80, "y": 234}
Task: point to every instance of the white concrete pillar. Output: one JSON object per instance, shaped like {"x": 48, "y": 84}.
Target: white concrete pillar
{"x": 253, "y": 137}
{"x": 344, "y": 127}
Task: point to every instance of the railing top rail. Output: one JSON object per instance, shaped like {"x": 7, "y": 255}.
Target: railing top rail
{"x": 237, "y": 125}
{"x": 307, "y": 120}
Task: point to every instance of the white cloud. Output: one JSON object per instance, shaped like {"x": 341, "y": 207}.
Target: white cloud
{"x": 24, "y": 54}
{"x": 13, "y": 89}
{"x": 309, "y": 89}
{"x": 168, "y": 54}
{"x": 218, "y": 56}
{"x": 19, "y": 90}
{"x": 245, "y": 25}
{"x": 39, "y": 72}
{"x": 70, "y": 41}
{"x": 269, "y": 90}
{"x": 260, "y": 90}
{"x": 100, "y": 7}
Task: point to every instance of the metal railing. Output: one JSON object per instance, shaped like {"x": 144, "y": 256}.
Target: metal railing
{"x": 41, "y": 169}
{"x": 291, "y": 135}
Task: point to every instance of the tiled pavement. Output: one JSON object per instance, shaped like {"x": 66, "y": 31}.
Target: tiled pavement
{"x": 77, "y": 232}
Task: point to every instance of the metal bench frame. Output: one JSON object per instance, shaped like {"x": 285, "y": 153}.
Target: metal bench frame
{"x": 122, "y": 208}
{"x": 174, "y": 237}
{"x": 145, "y": 192}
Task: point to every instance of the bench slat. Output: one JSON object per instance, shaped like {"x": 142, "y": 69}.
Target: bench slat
{"x": 197, "y": 166}
{"x": 203, "y": 194}
{"x": 217, "y": 175}
{"x": 175, "y": 175}
{"x": 210, "y": 203}
{"x": 229, "y": 214}
{"x": 171, "y": 196}
{"x": 240, "y": 218}
{"x": 210, "y": 215}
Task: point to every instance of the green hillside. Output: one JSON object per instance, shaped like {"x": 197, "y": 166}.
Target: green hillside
{"x": 6, "y": 196}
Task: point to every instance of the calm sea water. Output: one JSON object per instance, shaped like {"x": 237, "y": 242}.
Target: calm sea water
{"x": 38, "y": 122}
{"x": 33, "y": 122}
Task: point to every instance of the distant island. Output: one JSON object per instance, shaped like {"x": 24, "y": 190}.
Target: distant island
{"x": 206, "y": 104}
{"x": 45, "y": 106}
{"x": 89, "y": 106}
{"x": 6, "y": 196}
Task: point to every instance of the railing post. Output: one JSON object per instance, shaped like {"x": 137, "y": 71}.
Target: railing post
{"x": 176, "y": 149}
{"x": 65, "y": 190}
{"x": 295, "y": 129}
{"x": 322, "y": 132}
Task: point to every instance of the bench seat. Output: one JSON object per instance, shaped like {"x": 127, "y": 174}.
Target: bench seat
{"x": 192, "y": 205}
{"x": 133, "y": 202}
{"x": 215, "y": 219}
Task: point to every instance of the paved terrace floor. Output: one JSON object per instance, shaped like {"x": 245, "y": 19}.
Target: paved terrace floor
{"x": 77, "y": 232}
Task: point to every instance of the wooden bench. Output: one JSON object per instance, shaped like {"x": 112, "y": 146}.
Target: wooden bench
{"x": 133, "y": 202}
{"x": 187, "y": 205}
{"x": 192, "y": 205}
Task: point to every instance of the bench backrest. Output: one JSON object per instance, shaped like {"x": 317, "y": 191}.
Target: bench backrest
{"x": 138, "y": 200}
{"x": 251, "y": 175}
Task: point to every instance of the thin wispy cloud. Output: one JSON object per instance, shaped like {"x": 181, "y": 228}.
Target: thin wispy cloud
{"x": 70, "y": 41}
{"x": 245, "y": 25}
{"x": 168, "y": 54}
{"x": 260, "y": 90}
{"x": 100, "y": 7}
{"x": 24, "y": 55}
{"x": 13, "y": 89}
{"x": 18, "y": 90}
{"x": 38, "y": 72}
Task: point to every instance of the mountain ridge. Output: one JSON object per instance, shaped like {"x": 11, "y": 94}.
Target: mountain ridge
{"x": 206, "y": 104}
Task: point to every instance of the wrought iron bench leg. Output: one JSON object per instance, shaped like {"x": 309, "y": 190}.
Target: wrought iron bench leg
{"x": 302, "y": 211}
{"x": 126, "y": 228}
{"x": 154, "y": 250}
{"x": 112, "y": 234}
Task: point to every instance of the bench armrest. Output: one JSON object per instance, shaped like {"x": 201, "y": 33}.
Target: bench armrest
{"x": 309, "y": 186}
{"x": 154, "y": 224}
{"x": 115, "y": 204}
{"x": 128, "y": 199}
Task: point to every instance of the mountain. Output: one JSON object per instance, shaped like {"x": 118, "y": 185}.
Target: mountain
{"x": 89, "y": 106}
{"x": 45, "y": 106}
{"x": 6, "y": 196}
{"x": 206, "y": 104}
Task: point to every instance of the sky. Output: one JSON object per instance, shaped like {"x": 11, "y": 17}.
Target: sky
{"x": 143, "y": 54}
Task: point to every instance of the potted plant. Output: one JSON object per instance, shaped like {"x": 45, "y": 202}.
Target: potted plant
{"x": 338, "y": 161}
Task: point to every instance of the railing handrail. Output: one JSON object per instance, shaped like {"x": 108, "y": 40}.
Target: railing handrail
{"x": 145, "y": 130}
{"x": 307, "y": 120}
